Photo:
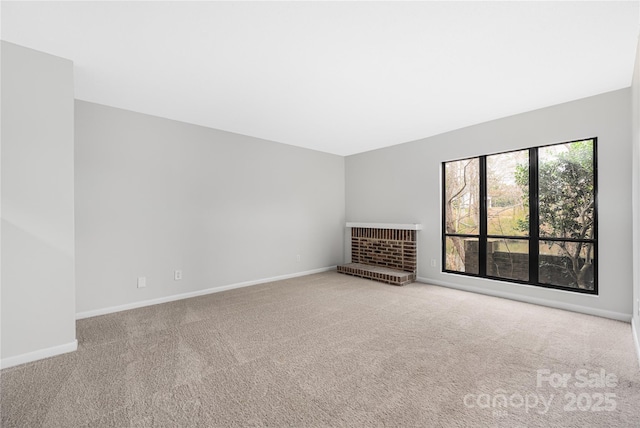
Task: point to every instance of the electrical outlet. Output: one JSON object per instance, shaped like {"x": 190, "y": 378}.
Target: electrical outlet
{"x": 142, "y": 281}
{"x": 433, "y": 263}
{"x": 177, "y": 275}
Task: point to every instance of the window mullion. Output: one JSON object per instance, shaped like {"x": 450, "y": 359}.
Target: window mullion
{"x": 534, "y": 218}
{"x": 482, "y": 241}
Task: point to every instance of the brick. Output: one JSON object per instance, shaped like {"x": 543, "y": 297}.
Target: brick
{"x": 393, "y": 250}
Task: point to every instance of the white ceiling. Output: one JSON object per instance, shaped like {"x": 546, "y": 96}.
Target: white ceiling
{"x": 339, "y": 77}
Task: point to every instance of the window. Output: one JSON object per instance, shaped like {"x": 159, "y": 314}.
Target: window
{"x": 526, "y": 216}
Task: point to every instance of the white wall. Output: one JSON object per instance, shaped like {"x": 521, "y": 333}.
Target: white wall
{"x": 154, "y": 195}
{"x": 38, "y": 292}
{"x": 401, "y": 184}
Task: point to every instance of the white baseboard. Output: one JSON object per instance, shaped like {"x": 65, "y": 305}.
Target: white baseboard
{"x": 636, "y": 339}
{"x": 38, "y": 355}
{"x": 619, "y": 316}
{"x": 174, "y": 297}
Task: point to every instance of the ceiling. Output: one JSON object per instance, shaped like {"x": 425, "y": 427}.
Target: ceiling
{"x": 338, "y": 77}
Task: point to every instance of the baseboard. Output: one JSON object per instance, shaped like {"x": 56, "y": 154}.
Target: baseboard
{"x": 174, "y": 297}
{"x": 634, "y": 331}
{"x": 534, "y": 300}
{"x": 38, "y": 355}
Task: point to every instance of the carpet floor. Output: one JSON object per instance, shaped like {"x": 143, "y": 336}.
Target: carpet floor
{"x": 334, "y": 350}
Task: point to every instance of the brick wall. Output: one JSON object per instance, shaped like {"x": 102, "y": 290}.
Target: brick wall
{"x": 391, "y": 248}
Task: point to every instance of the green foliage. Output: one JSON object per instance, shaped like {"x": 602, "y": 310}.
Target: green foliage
{"x": 566, "y": 197}
{"x": 506, "y": 221}
{"x": 522, "y": 180}
{"x": 566, "y": 203}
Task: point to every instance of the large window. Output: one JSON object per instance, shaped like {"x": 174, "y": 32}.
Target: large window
{"x": 527, "y": 216}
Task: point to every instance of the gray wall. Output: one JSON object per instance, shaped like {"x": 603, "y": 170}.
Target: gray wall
{"x": 635, "y": 139}
{"x": 38, "y": 292}
{"x": 401, "y": 184}
{"x": 155, "y": 195}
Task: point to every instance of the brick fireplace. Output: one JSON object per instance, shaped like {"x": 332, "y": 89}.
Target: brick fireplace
{"x": 383, "y": 252}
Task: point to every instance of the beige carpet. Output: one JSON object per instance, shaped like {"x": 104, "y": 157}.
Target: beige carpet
{"x": 333, "y": 350}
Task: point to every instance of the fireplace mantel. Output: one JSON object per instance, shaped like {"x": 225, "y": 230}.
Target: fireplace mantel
{"x": 397, "y": 226}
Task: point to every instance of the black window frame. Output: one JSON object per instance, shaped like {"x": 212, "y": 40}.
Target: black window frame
{"x": 534, "y": 237}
